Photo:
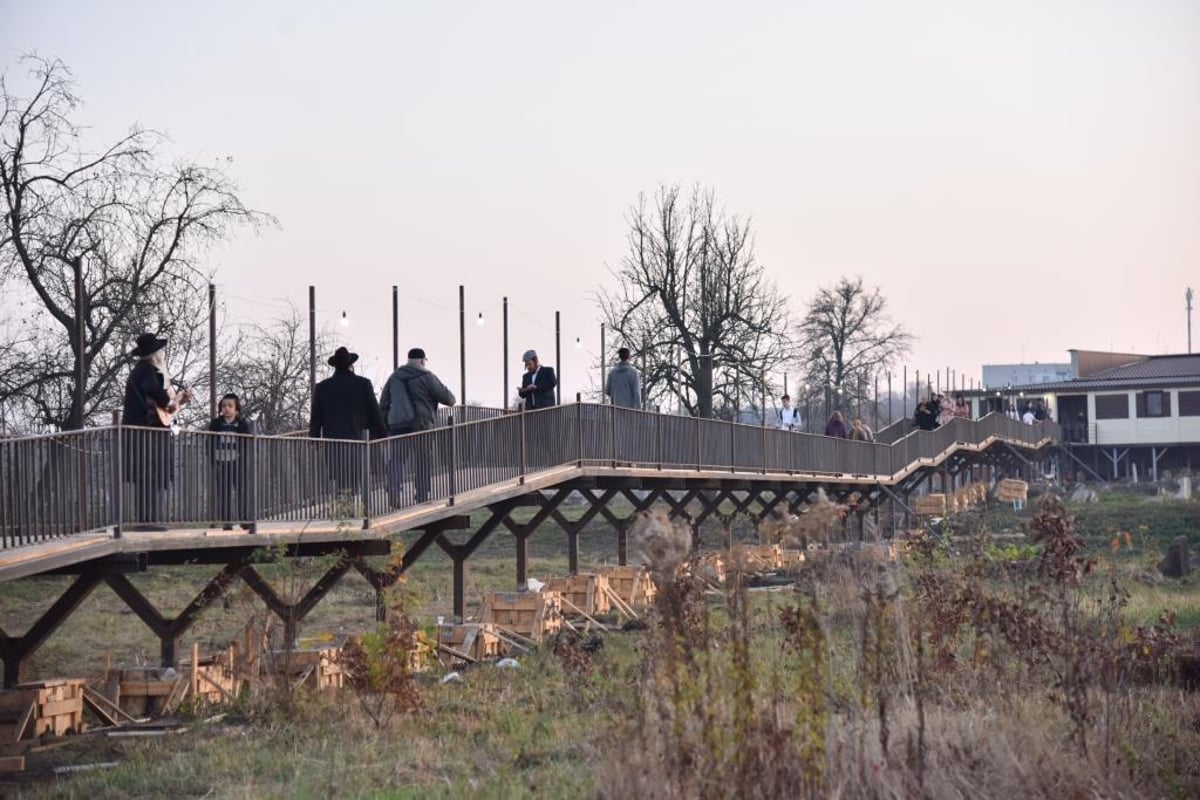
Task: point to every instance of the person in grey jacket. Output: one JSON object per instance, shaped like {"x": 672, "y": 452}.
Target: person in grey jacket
{"x": 409, "y": 403}
{"x": 623, "y": 385}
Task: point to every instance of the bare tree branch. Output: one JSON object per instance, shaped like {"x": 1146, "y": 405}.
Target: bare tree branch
{"x": 694, "y": 304}
{"x": 847, "y": 339}
{"x": 132, "y": 227}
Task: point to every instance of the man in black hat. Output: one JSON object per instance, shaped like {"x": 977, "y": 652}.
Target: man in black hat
{"x": 148, "y": 454}
{"x": 409, "y": 403}
{"x": 343, "y": 406}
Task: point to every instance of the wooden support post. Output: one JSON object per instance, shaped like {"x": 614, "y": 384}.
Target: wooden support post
{"x": 522, "y": 542}
{"x": 573, "y": 552}
{"x": 14, "y": 650}
{"x": 169, "y": 630}
{"x": 292, "y": 614}
{"x": 459, "y": 553}
{"x": 460, "y": 588}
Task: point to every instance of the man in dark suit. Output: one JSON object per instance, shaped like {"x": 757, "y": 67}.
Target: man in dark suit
{"x": 537, "y": 384}
{"x": 343, "y": 406}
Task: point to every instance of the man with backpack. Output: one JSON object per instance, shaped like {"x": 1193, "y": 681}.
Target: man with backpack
{"x": 409, "y": 403}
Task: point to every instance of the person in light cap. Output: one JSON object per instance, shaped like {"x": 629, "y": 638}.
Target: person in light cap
{"x": 409, "y": 403}
{"x": 538, "y": 383}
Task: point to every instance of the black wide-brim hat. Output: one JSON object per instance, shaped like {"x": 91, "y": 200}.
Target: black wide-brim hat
{"x": 342, "y": 358}
{"x": 148, "y": 344}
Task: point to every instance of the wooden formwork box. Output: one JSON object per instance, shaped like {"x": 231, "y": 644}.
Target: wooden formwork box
{"x": 712, "y": 566}
{"x": 53, "y": 707}
{"x": 1011, "y": 489}
{"x": 929, "y": 505}
{"x": 632, "y": 584}
{"x": 791, "y": 559}
{"x": 767, "y": 557}
{"x": 476, "y": 640}
{"x": 418, "y": 653}
{"x": 151, "y": 691}
{"x": 587, "y": 591}
{"x": 217, "y": 679}
{"x": 533, "y": 615}
{"x": 318, "y": 668}
{"x": 145, "y": 691}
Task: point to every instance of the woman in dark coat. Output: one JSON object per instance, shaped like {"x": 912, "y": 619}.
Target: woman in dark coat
{"x": 836, "y": 426}
{"x": 148, "y": 456}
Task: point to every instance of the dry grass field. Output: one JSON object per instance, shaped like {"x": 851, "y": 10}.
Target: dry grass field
{"x": 1056, "y": 666}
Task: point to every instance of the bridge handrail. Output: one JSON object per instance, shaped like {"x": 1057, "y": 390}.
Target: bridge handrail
{"x": 54, "y": 485}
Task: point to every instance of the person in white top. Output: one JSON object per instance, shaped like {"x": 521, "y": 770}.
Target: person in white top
{"x": 1028, "y": 418}
{"x": 789, "y": 418}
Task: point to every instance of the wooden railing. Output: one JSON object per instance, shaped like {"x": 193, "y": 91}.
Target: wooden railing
{"x": 113, "y": 477}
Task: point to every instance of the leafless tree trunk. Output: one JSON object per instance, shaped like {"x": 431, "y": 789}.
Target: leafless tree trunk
{"x": 846, "y": 339}
{"x": 119, "y": 222}
{"x": 695, "y": 306}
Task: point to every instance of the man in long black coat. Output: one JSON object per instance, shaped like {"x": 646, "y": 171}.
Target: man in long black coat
{"x": 148, "y": 455}
{"x": 343, "y": 406}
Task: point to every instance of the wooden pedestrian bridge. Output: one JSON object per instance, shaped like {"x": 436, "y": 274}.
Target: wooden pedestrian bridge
{"x": 78, "y": 503}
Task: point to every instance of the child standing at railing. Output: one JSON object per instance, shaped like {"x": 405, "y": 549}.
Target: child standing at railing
{"x": 230, "y": 449}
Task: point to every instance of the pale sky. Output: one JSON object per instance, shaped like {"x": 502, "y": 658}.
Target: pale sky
{"x": 1020, "y": 178}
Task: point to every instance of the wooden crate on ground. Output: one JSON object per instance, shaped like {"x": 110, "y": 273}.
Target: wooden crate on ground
{"x": 761, "y": 557}
{"x": 632, "y": 584}
{"x": 586, "y": 591}
{"x": 476, "y": 640}
{"x": 52, "y": 707}
{"x": 711, "y": 566}
{"x": 533, "y": 615}
{"x": 1011, "y": 489}
{"x": 791, "y": 559}
{"x": 929, "y": 505}
{"x": 317, "y": 668}
{"x": 146, "y": 691}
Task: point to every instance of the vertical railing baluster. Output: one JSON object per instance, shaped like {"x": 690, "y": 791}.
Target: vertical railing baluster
{"x": 366, "y": 479}
{"x": 453, "y": 461}
{"x": 698, "y": 459}
{"x": 118, "y": 486}
{"x": 658, "y": 448}
{"x": 521, "y": 428}
{"x": 579, "y": 426}
{"x": 764, "y": 440}
{"x": 612, "y": 433}
{"x": 250, "y": 482}
{"x": 733, "y": 447}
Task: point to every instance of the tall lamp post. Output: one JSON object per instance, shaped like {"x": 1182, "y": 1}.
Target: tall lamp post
{"x": 558, "y": 356}
{"x": 462, "y": 345}
{"x": 504, "y": 323}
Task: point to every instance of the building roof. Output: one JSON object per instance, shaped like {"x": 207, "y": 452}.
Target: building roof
{"x": 1148, "y": 372}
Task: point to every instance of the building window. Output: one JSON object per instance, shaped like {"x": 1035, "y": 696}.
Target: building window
{"x": 1112, "y": 406}
{"x": 1189, "y": 404}
{"x": 1154, "y": 404}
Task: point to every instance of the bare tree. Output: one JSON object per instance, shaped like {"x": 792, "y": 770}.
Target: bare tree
{"x": 267, "y": 366}
{"x": 95, "y": 247}
{"x": 692, "y": 302}
{"x": 847, "y": 339}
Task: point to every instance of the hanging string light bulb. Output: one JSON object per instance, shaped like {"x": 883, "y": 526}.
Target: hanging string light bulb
{"x": 345, "y": 320}
{"x": 578, "y": 344}
{"x": 479, "y": 319}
